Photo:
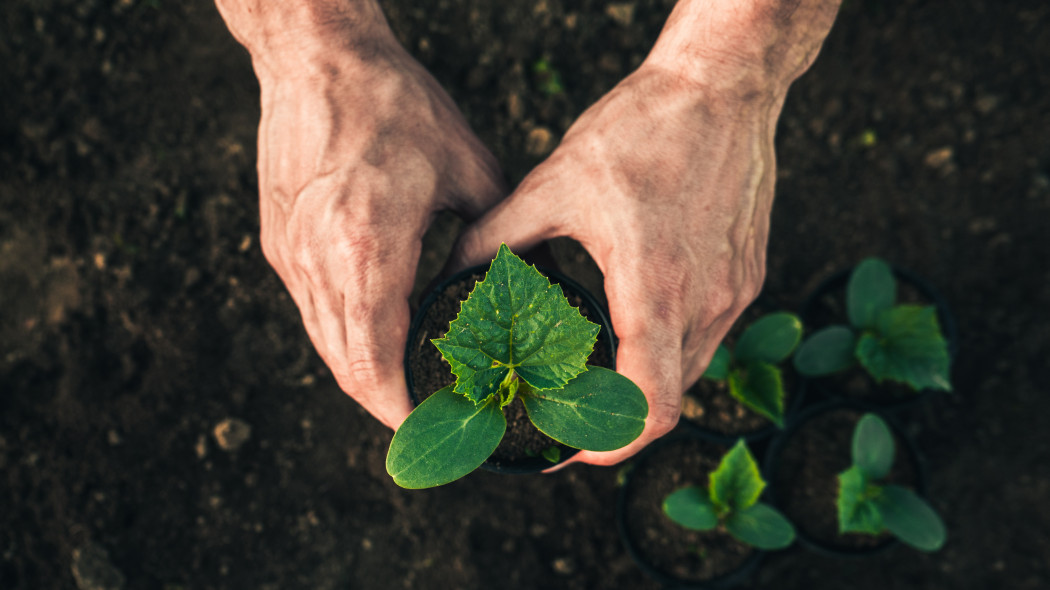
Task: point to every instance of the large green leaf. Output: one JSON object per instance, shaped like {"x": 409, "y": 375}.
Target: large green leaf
{"x": 872, "y": 290}
{"x": 761, "y": 526}
{"x": 907, "y": 346}
{"x": 444, "y": 438}
{"x": 691, "y": 508}
{"x": 599, "y": 410}
{"x": 737, "y": 483}
{"x": 759, "y": 387}
{"x": 911, "y": 519}
{"x": 718, "y": 368}
{"x": 857, "y": 511}
{"x": 827, "y": 351}
{"x": 514, "y": 319}
{"x": 873, "y": 447}
{"x": 770, "y": 339}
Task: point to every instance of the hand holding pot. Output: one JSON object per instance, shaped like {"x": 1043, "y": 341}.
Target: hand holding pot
{"x": 359, "y": 147}
{"x": 668, "y": 182}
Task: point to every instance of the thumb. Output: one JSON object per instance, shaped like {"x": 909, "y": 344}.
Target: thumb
{"x": 522, "y": 220}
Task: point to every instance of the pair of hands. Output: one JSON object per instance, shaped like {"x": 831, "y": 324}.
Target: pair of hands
{"x": 667, "y": 182}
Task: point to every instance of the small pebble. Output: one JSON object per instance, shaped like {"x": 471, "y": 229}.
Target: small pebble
{"x": 621, "y": 12}
{"x": 539, "y": 142}
{"x": 231, "y": 433}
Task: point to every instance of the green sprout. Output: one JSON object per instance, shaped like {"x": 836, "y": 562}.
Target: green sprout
{"x": 751, "y": 368}
{"x": 547, "y": 77}
{"x": 516, "y": 336}
{"x": 866, "y": 506}
{"x": 730, "y": 502}
{"x": 901, "y": 343}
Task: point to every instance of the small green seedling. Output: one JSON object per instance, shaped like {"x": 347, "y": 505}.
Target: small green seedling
{"x": 731, "y": 502}
{"x": 516, "y": 336}
{"x": 751, "y": 368}
{"x": 902, "y": 343}
{"x": 866, "y": 506}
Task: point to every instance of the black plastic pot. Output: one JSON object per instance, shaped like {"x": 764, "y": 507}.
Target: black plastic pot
{"x": 673, "y": 446}
{"x": 832, "y": 292}
{"x": 777, "y": 487}
{"x": 597, "y": 315}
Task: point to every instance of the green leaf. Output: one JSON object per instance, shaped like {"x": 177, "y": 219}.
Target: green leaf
{"x": 718, "y": 369}
{"x": 759, "y": 387}
{"x": 737, "y": 483}
{"x": 691, "y": 508}
{"x": 552, "y": 454}
{"x": 827, "y": 351}
{"x": 600, "y": 410}
{"x": 857, "y": 510}
{"x": 907, "y": 346}
{"x": 911, "y": 519}
{"x": 872, "y": 290}
{"x": 761, "y": 526}
{"x": 873, "y": 447}
{"x": 444, "y": 438}
{"x": 514, "y": 319}
{"x": 770, "y": 339}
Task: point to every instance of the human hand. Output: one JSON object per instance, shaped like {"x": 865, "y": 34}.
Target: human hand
{"x": 359, "y": 147}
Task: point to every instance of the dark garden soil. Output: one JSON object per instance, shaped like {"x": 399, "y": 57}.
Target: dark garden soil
{"x": 165, "y": 421}
{"x": 523, "y": 446}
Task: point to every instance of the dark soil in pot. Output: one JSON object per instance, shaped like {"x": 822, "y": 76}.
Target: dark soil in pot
{"x": 665, "y": 551}
{"x": 522, "y": 446}
{"x": 803, "y": 473}
{"x": 827, "y": 306}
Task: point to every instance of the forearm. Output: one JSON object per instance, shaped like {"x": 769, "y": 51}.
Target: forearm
{"x": 755, "y": 45}
{"x": 295, "y": 37}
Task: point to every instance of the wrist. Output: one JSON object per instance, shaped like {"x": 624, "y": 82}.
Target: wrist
{"x": 753, "y": 47}
{"x": 304, "y": 38}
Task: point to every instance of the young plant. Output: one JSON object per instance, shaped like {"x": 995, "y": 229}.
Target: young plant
{"x": 731, "y": 503}
{"x": 516, "y": 336}
{"x": 902, "y": 343}
{"x": 751, "y": 368}
{"x": 866, "y": 506}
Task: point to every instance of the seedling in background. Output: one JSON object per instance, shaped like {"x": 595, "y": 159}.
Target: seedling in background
{"x": 730, "y": 502}
{"x": 751, "y": 368}
{"x": 866, "y": 506}
{"x": 901, "y": 343}
{"x": 516, "y": 336}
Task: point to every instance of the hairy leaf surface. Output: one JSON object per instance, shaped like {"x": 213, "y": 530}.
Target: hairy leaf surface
{"x": 444, "y": 438}
{"x": 737, "y": 483}
{"x": 514, "y": 319}
{"x": 761, "y": 526}
{"x": 872, "y": 290}
{"x": 907, "y": 346}
{"x": 911, "y": 519}
{"x": 770, "y": 339}
{"x": 873, "y": 447}
{"x": 827, "y": 351}
{"x": 691, "y": 508}
{"x": 759, "y": 386}
{"x": 599, "y": 410}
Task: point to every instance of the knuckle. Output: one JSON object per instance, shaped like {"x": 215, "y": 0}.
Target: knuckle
{"x": 663, "y": 417}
